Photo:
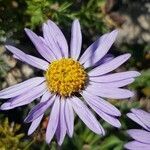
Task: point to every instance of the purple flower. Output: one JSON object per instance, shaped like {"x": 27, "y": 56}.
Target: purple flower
{"x": 67, "y": 85}
{"x": 141, "y": 136}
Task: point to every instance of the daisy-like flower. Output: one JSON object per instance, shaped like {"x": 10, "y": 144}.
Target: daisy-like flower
{"x": 141, "y": 136}
{"x": 67, "y": 86}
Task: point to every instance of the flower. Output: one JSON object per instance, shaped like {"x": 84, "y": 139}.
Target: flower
{"x": 141, "y": 136}
{"x": 67, "y": 82}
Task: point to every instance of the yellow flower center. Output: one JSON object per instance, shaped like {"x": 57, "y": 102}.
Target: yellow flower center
{"x": 65, "y": 77}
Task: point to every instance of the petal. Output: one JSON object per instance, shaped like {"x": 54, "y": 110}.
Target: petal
{"x": 105, "y": 43}
{"x": 8, "y": 105}
{"x": 36, "y": 62}
{"x": 109, "y": 66}
{"x": 41, "y": 47}
{"x": 37, "y": 121}
{"x": 59, "y": 37}
{"x": 135, "y": 145}
{"x": 105, "y": 59}
{"x": 51, "y": 41}
{"x": 93, "y": 47}
{"x": 99, "y": 107}
{"x": 110, "y": 119}
{"x": 101, "y": 104}
{"x": 120, "y": 83}
{"x": 53, "y": 120}
{"x": 39, "y": 109}
{"x": 62, "y": 123}
{"x": 76, "y": 40}
{"x": 143, "y": 116}
{"x": 137, "y": 120}
{"x": 86, "y": 116}
{"x": 39, "y": 62}
{"x": 35, "y": 124}
{"x": 109, "y": 92}
{"x": 31, "y": 60}
{"x": 44, "y": 40}
{"x": 29, "y": 96}
{"x": 140, "y": 135}
{"x": 20, "y": 88}
{"x": 69, "y": 117}
{"x": 57, "y": 133}
{"x": 47, "y": 95}
{"x": 115, "y": 76}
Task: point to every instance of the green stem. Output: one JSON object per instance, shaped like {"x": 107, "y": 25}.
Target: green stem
{"x": 27, "y": 147}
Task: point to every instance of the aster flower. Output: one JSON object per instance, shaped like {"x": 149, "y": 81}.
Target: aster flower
{"x": 67, "y": 86}
{"x": 141, "y": 136}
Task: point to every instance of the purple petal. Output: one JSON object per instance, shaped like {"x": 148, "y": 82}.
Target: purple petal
{"x": 137, "y": 120}
{"x": 135, "y": 145}
{"x": 51, "y": 42}
{"x": 16, "y": 57}
{"x": 115, "y": 76}
{"x": 62, "y": 123}
{"x": 76, "y": 40}
{"x": 7, "y": 105}
{"x": 143, "y": 116}
{"x": 39, "y": 109}
{"x": 40, "y": 46}
{"x": 101, "y": 104}
{"x": 109, "y": 92}
{"x": 109, "y": 66}
{"x": 93, "y": 47}
{"x": 57, "y": 133}
{"x": 37, "y": 121}
{"x": 140, "y": 135}
{"x": 86, "y": 116}
{"x": 44, "y": 41}
{"x": 39, "y": 62}
{"x": 69, "y": 117}
{"x": 20, "y": 88}
{"x": 29, "y": 96}
{"x": 110, "y": 119}
{"x": 31, "y": 60}
{"x": 105, "y": 43}
{"x": 58, "y": 37}
{"x": 35, "y": 124}
{"x": 34, "y": 61}
{"x": 53, "y": 120}
{"x": 47, "y": 95}
{"x": 101, "y": 109}
{"x": 120, "y": 83}
{"x": 105, "y": 59}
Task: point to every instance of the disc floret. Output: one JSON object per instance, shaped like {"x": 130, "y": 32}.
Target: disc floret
{"x": 65, "y": 77}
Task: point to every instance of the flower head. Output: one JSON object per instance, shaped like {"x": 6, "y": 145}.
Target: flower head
{"x": 66, "y": 77}
{"x": 67, "y": 86}
{"x": 141, "y": 136}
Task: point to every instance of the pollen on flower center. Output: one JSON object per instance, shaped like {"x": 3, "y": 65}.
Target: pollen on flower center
{"x": 65, "y": 76}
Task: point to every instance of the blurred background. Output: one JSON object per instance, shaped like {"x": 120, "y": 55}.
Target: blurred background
{"x": 131, "y": 17}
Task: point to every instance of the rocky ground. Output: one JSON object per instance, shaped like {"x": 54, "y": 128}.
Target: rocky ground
{"x": 132, "y": 17}
{"x": 13, "y": 71}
